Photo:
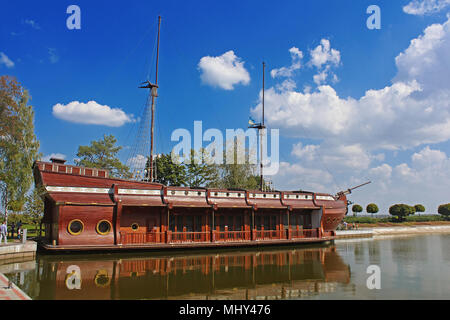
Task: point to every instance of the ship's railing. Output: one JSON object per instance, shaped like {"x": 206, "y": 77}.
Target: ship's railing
{"x": 190, "y": 236}
{"x": 233, "y": 235}
{"x": 141, "y": 237}
{"x": 305, "y": 233}
{"x": 269, "y": 234}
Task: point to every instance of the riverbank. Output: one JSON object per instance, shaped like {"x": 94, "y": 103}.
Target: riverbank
{"x": 364, "y": 232}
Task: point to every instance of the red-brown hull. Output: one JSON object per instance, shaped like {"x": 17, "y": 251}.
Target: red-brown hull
{"x": 85, "y": 209}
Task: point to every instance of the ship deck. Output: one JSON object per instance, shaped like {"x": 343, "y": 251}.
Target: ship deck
{"x": 185, "y": 245}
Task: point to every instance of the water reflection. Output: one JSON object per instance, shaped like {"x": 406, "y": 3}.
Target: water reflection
{"x": 264, "y": 274}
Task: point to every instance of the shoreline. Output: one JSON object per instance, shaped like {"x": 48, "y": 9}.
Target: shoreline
{"x": 392, "y": 230}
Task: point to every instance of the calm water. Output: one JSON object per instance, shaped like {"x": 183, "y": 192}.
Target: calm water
{"x": 412, "y": 267}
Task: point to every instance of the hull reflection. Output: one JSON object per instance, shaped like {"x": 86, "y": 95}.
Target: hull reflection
{"x": 265, "y": 274}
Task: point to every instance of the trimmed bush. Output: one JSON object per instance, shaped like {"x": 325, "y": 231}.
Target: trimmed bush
{"x": 372, "y": 208}
{"x": 444, "y": 209}
{"x": 356, "y": 208}
{"x": 419, "y": 208}
{"x": 401, "y": 211}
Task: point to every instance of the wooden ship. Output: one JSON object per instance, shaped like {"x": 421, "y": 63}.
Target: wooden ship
{"x": 86, "y": 209}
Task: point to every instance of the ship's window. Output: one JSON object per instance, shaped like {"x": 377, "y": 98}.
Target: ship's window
{"x": 228, "y": 194}
{"x": 274, "y": 195}
{"x": 296, "y": 196}
{"x": 173, "y": 192}
{"x": 186, "y": 192}
{"x": 216, "y": 194}
{"x": 199, "y": 193}
{"x": 75, "y": 227}
{"x": 134, "y": 226}
{"x": 239, "y": 195}
{"x": 104, "y": 227}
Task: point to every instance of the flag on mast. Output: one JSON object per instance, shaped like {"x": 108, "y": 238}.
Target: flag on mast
{"x": 251, "y": 122}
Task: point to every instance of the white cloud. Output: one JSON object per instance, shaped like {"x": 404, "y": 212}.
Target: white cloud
{"x": 91, "y": 113}
{"x": 323, "y": 54}
{"x": 423, "y": 7}
{"x": 54, "y": 155}
{"x": 33, "y": 24}
{"x": 137, "y": 162}
{"x": 5, "y": 60}
{"x": 224, "y": 71}
{"x": 296, "y": 56}
{"x": 53, "y": 56}
{"x": 354, "y": 136}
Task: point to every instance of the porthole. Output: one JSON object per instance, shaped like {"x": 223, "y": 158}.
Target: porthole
{"x": 216, "y": 194}
{"x": 199, "y": 193}
{"x": 264, "y": 195}
{"x": 274, "y": 195}
{"x": 296, "y": 196}
{"x": 103, "y": 227}
{"x": 239, "y": 195}
{"x": 75, "y": 227}
{"x": 173, "y": 192}
{"x": 228, "y": 194}
{"x": 186, "y": 192}
{"x": 101, "y": 279}
{"x": 134, "y": 226}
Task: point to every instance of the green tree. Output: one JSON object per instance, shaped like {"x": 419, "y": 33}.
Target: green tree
{"x": 199, "y": 171}
{"x": 356, "y": 208}
{"x": 34, "y": 206}
{"x": 168, "y": 172}
{"x": 419, "y": 208}
{"x": 102, "y": 154}
{"x": 372, "y": 208}
{"x": 444, "y": 209}
{"x": 401, "y": 211}
{"x": 18, "y": 143}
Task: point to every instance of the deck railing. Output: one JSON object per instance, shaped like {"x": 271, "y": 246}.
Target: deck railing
{"x": 305, "y": 233}
{"x": 269, "y": 234}
{"x": 233, "y": 235}
{"x": 217, "y": 236}
{"x": 190, "y": 236}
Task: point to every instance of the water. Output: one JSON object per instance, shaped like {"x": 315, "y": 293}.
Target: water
{"x": 412, "y": 267}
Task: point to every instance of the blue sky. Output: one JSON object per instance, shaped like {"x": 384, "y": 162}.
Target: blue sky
{"x": 112, "y": 53}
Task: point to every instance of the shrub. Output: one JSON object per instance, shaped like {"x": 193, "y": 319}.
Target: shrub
{"x": 356, "y": 208}
{"x": 419, "y": 208}
{"x": 401, "y": 211}
{"x": 372, "y": 208}
{"x": 444, "y": 209}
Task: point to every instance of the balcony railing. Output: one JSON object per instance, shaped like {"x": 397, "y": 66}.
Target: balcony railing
{"x": 190, "y": 236}
{"x": 269, "y": 234}
{"x": 233, "y": 235}
{"x": 141, "y": 237}
{"x": 305, "y": 233}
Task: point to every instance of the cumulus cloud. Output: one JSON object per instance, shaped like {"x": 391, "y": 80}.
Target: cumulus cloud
{"x": 296, "y": 57}
{"x": 137, "y": 162}
{"x": 224, "y": 71}
{"x": 54, "y": 155}
{"x": 353, "y": 135}
{"x": 423, "y": 7}
{"x": 53, "y": 55}
{"x": 91, "y": 113}
{"x": 6, "y": 61}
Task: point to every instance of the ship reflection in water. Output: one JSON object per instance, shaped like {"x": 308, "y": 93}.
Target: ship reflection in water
{"x": 264, "y": 274}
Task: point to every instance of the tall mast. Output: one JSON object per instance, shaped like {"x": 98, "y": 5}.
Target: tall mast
{"x": 261, "y": 130}
{"x": 153, "y": 91}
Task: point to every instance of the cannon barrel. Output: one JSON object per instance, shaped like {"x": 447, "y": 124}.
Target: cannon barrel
{"x": 348, "y": 191}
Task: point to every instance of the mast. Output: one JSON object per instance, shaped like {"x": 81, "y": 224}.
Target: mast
{"x": 153, "y": 92}
{"x": 260, "y": 126}
{"x": 261, "y": 130}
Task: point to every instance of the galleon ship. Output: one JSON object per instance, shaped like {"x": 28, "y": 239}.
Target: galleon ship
{"x": 86, "y": 209}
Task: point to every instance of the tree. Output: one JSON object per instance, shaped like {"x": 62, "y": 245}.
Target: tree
{"x": 356, "y": 208}
{"x": 168, "y": 172}
{"x": 419, "y": 208}
{"x": 444, "y": 209}
{"x": 372, "y": 208}
{"x": 102, "y": 154}
{"x": 401, "y": 211}
{"x": 34, "y": 206}
{"x": 199, "y": 172}
{"x": 18, "y": 143}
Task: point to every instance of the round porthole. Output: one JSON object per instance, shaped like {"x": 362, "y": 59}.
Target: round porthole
{"x": 134, "y": 226}
{"x": 101, "y": 279}
{"x": 264, "y": 195}
{"x": 103, "y": 227}
{"x": 239, "y": 195}
{"x": 274, "y": 195}
{"x": 75, "y": 227}
{"x": 228, "y": 194}
{"x": 216, "y": 194}
{"x": 199, "y": 193}
{"x": 186, "y": 192}
{"x": 173, "y": 192}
